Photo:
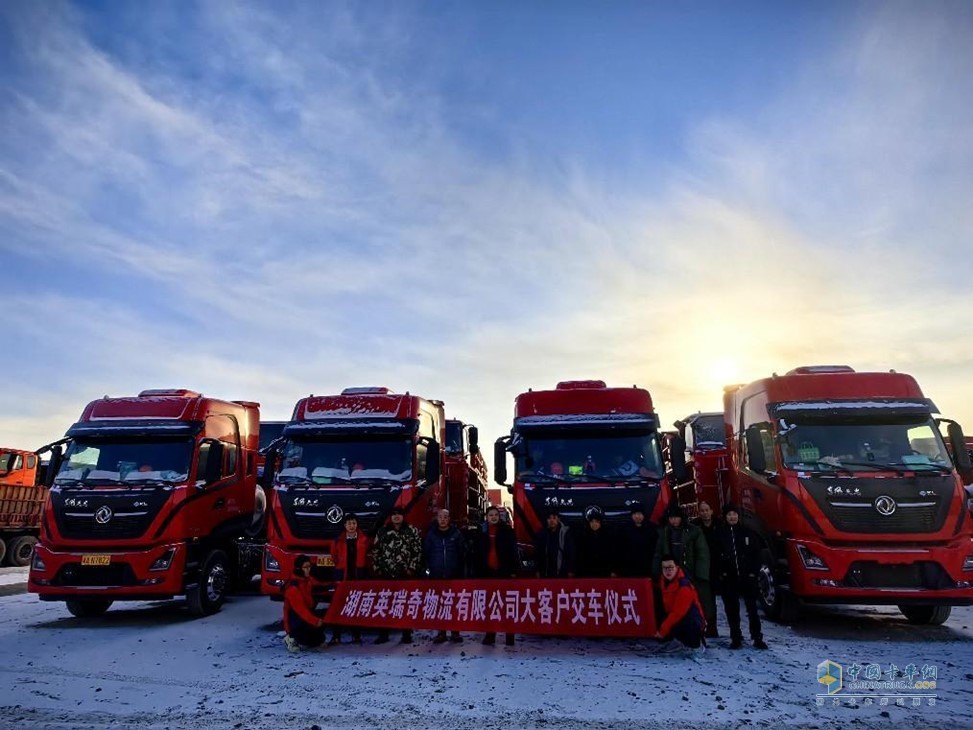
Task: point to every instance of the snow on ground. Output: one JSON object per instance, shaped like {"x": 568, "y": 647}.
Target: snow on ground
{"x": 149, "y": 665}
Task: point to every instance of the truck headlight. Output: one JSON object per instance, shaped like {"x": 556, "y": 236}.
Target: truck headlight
{"x": 810, "y": 560}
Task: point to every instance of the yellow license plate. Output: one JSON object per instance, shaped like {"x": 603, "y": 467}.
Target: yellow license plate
{"x": 325, "y": 561}
{"x": 96, "y": 559}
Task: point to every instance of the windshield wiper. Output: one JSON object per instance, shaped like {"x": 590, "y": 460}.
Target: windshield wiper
{"x": 69, "y": 482}
{"x": 151, "y": 482}
{"x": 875, "y": 466}
{"x": 549, "y": 477}
{"x": 288, "y": 479}
{"x": 817, "y": 463}
{"x": 576, "y": 478}
{"x": 374, "y": 480}
{"x": 923, "y": 465}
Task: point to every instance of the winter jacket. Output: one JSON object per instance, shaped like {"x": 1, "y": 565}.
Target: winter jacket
{"x": 397, "y": 554}
{"x": 636, "y": 548}
{"x": 681, "y": 602}
{"x": 740, "y": 550}
{"x": 597, "y": 553}
{"x": 341, "y": 555}
{"x": 695, "y": 556}
{"x": 299, "y": 602}
{"x": 555, "y": 552}
{"x": 443, "y": 552}
{"x": 713, "y": 543}
{"x": 506, "y": 546}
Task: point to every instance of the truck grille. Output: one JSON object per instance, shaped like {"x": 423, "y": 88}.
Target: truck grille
{"x": 90, "y": 576}
{"x": 318, "y": 514}
{"x": 919, "y": 505}
{"x": 923, "y": 574}
{"x": 106, "y": 514}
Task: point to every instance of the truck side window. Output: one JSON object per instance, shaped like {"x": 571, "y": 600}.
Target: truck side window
{"x": 31, "y": 462}
{"x": 421, "y": 451}
{"x": 229, "y": 465}
{"x": 767, "y": 441}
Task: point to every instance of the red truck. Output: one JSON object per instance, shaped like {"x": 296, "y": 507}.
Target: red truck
{"x": 847, "y": 479}
{"x": 702, "y": 439}
{"x": 466, "y": 473}
{"x": 151, "y": 497}
{"x": 578, "y": 446}
{"x": 365, "y": 452}
{"x": 21, "y": 501}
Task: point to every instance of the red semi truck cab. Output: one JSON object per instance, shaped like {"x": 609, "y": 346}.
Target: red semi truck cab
{"x": 154, "y": 496}
{"x": 21, "y": 501}
{"x": 466, "y": 474}
{"x": 700, "y": 441}
{"x": 848, "y": 480}
{"x": 364, "y": 452}
{"x": 579, "y": 446}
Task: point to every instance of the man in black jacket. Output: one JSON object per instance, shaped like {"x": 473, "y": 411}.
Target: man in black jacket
{"x": 739, "y": 564}
{"x": 442, "y": 550}
{"x": 597, "y": 550}
{"x": 554, "y": 548}
{"x": 636, "y": 545}
{"x": 495, "y": 556}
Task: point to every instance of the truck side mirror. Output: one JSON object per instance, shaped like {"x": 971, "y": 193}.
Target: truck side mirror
{"x": 269, "y": 471}
{"x": 755, "y": 450}
{"x": 432, "y": 461}
{"x": 474, "y": 437}
{"x": 961, "y": 454}
{"x": 211, "y": 457}
{"x": 53, "y": 466}
{"x": 500, "y": 461}
{"x": 677, "y": 459}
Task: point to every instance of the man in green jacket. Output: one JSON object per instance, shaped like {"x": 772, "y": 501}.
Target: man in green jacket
{"x": 687, "y": 546}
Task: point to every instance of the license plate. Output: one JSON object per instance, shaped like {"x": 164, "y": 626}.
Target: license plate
{"x": 325, "y": 561}
{"x": 96, "y": 559}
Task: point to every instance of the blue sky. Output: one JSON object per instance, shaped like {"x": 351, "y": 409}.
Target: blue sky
{"x": 464, "y": 200}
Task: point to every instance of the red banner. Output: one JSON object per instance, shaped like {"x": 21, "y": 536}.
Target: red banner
{"x": 565, "y": 607}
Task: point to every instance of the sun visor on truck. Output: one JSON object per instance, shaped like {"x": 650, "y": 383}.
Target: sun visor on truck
{"x": 871, "y": 408}
{"x": 589, "y": 420}
{"x": 358, "y": 426}
{"x": 129, "y": 427}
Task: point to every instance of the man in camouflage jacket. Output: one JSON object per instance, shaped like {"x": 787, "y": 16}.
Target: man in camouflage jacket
{"x": 396, "y": 555}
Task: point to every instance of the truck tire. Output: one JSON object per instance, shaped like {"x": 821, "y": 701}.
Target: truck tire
{"x": 88, "y": 607}
{"x": 208, "y": 594}
{"x": 779, "y": 604}
{"x": 3, "y": 551}
{"x": 927, "y": 615}
{"x": 21, "y": 550}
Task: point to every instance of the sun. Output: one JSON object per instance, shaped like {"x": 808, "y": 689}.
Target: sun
{"x": 723, "y": 371}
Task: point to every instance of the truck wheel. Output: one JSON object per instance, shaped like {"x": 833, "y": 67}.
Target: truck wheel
{"x": 779, "y": 604}
{"x": 3, "y": 551}
{"x": 208, "y": 594}
{"x": 88, "y": 607}
{"x": 20, "y": 550}
{"x": 928, "y": 615}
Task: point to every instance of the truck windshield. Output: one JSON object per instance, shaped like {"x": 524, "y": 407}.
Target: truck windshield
{"x": 130, "y": 461}
{"x": 270, "y": 431}
{"x": 578, "y": 455}
{"x": 833, "y": 445}
{"x": 347, "y": 461}
{"x": 708, "y": 432}
{"x": 9, "y": 462}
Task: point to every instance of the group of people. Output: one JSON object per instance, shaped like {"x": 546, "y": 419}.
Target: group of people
{"x": 688, "y": 562}
{"x": 399, "y": 552}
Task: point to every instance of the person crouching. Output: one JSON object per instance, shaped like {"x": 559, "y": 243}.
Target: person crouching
{"x": 302, "y": 627}
{"x": 684, "y": 622}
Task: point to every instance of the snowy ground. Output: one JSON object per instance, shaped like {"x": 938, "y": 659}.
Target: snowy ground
{"x": 149, "y": 665}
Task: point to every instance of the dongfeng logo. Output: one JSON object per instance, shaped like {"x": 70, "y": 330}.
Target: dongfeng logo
{"x": 103, "y": 515}
{"x": 884, "y": 505}
{"x": 334, "y": 514}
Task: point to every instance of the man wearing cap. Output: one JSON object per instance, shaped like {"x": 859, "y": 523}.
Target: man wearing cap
{"x": 637, "y": 544}
{"x": 740, "y": 562}
{"x": 597, "y": 554}
{"x": 396, "y": 556}
{"x": 554, "y": 548}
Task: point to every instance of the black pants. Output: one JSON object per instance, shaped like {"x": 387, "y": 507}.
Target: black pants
{"x": 303, "y": 633}
{"x": 733, "y": 590}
